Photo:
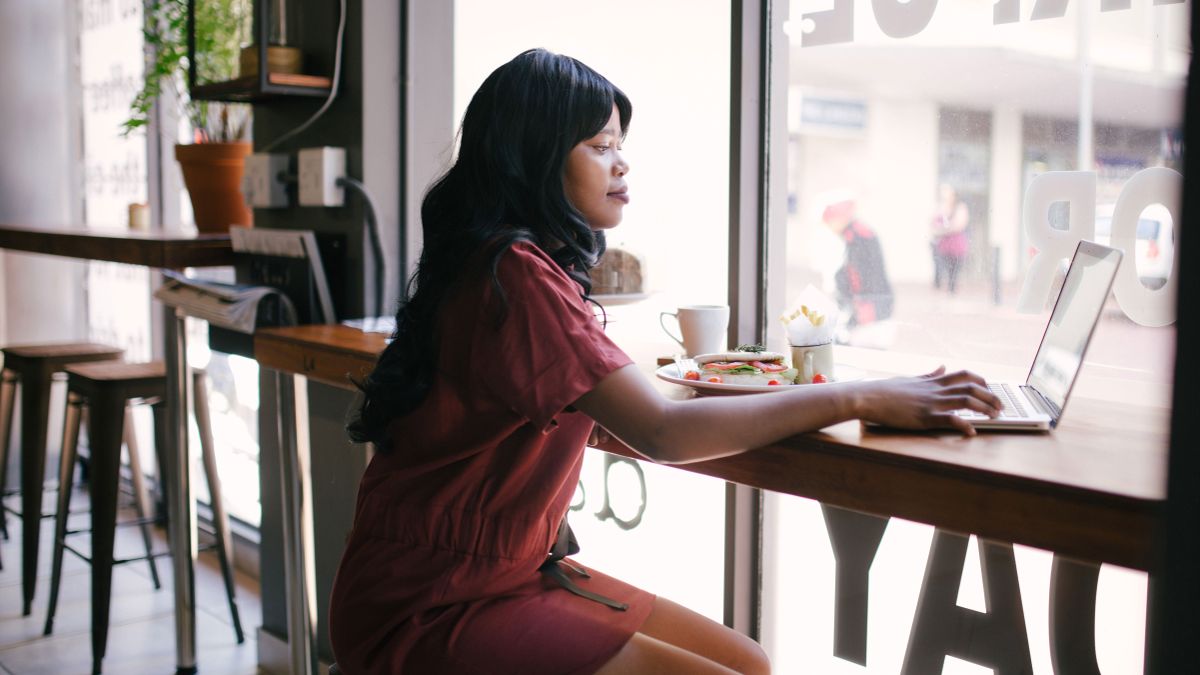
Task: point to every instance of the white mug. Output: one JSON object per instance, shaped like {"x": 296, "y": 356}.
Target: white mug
{"x": 703, "y": 328}
{"x": 811, "y": 360}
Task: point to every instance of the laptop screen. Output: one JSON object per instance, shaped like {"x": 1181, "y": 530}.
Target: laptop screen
{"x": 1069, "y": 330}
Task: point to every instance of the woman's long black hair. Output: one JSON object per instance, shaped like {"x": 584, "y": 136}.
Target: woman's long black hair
{"x": 506, "y": 186}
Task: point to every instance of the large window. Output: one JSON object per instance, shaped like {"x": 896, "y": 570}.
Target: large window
{"x": 921, "y": 127}
{"x": 110, "y": 71}
{"x": 672, "y": 59}
{"x": 117, "y": 172}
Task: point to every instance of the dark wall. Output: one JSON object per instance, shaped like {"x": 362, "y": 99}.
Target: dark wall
{"x": 336, "y": 464}
{"x": 315, "y": 28}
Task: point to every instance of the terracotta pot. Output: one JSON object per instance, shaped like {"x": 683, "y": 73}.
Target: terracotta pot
{"x": 213, "y": 175}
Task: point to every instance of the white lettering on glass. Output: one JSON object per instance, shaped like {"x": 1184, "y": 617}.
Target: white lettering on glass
{"x": 1155, "y": 185}
{"x": 1078, "y": 189}
{"x": 1048, "y": 9}
{"x": 1006, "y": 11}
{"x": 830, "y": 26}
{"x": 906, "y": 18}
{"x": 903, "y": 19}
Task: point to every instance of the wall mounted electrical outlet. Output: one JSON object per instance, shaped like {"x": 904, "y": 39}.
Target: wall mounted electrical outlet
{"x": 320, "y": 169}
{"x": 261, "y": 182}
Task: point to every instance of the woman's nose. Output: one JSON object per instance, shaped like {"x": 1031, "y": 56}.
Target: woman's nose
{"x": 621, "y": 167}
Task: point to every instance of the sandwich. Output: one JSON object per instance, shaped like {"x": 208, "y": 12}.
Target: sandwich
{"x": 743, "y": 367}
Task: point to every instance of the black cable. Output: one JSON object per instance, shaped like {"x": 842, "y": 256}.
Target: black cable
{"x": 333, "y": 87}
{"x": 376, "y": 240}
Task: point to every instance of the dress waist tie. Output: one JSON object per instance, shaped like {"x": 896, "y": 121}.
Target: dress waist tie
{"x": 565, "y": 544}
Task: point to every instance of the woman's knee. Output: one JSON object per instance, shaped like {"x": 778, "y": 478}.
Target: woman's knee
{"x": 645, "y": 654}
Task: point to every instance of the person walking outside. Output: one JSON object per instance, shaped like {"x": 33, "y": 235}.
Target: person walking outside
{"x": 949, "y": 241}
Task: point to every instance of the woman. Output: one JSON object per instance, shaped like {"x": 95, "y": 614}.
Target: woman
{"x": 481, "y": 405}
{"x": 949, "y": 227}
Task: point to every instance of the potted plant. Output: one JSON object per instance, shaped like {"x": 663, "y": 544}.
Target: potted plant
{"x": 213, "y": 163}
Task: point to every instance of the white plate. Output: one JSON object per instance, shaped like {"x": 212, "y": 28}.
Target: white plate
{"x": 670, "y": 373}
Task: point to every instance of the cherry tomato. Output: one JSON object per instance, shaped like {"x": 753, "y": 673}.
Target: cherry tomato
{"x": 715, "y": 379}
{"x": 772, "y": 382}
{"x": 819, "y": 379}
{"x": 691, "y": 375}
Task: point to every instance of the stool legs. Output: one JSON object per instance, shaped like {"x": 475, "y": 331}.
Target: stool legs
{"x": 8, "y": 386}
{"x": 76, "y": 411}
{"x": 141, "y": 499}
{"x": 35, "y": 409}
{"x": 66, "y": 471}
{"x": 220, "y": 517}
{"x": 107, "y": 417}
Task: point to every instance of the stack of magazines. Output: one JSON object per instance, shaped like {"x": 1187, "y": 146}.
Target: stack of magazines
{"x": 232, "y": 306}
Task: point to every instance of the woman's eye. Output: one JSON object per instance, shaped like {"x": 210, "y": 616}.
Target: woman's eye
{"x": 602, "y": 148}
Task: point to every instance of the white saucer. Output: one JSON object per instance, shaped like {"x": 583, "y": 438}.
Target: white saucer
{"x": 670, "y": 373}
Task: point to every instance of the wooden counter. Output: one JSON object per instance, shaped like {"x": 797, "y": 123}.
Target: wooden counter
{"x": 1092, "y": 490}
{"x": 149, "y": 249}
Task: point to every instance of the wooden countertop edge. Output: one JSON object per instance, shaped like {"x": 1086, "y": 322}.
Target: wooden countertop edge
{"x": 1079, "y": 522}
{"x": 281, "y": 349}
{"x": 131, "y": 248}
{"x": 815, "y": 467}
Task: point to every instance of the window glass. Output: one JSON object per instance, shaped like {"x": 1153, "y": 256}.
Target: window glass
{"x": 111, "y": 62}
{"x": 114, "y": 181}
{"x": 672, "y": 59}
{"x": 110, "y": 71}
{"x": 916, "y": 133}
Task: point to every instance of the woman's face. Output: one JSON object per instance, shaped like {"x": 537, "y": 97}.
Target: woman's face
{"x": 594, "y": 179}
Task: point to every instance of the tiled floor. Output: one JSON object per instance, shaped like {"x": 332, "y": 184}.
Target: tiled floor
{"x": 141, "y": 638}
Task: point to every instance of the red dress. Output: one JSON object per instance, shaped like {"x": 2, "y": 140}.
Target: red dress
{"x": 440, "y": 573}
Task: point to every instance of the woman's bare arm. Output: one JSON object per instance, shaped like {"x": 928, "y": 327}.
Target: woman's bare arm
{"x": 692, "y": 430}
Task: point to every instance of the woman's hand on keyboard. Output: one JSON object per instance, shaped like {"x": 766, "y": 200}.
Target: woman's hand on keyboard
{"x": 927, "y": 401}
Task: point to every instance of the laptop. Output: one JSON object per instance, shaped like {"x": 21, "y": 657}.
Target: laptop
{"x": 1038, "y": 404}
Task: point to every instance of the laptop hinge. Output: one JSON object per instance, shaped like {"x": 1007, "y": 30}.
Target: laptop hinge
{"x": 1047, "y": 405}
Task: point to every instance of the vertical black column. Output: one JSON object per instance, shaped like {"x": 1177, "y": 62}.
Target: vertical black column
{"x": 1175, "y": 585}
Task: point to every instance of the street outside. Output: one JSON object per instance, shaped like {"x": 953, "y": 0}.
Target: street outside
{"x": 1123, "y": 360}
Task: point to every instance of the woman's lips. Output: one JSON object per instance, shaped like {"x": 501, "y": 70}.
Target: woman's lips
{"x": 622, "y": 196}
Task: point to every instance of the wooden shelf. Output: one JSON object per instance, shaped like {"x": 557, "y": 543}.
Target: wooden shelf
{"x": 150, "y": 249}
{"x": 249, "y": 89}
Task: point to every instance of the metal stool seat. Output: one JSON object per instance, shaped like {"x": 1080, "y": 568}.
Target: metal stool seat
{"x": 107, "y": 389}
{"x": 33, "y": 367}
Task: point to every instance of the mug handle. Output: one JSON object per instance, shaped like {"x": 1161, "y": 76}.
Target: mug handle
{"x": 663, "y": 315}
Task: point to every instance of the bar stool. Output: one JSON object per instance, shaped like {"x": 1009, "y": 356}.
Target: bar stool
{"x": 34, "y": 367}
{"x": 107, "y": 389}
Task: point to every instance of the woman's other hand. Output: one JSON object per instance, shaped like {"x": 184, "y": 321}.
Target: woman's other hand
{"x": 927, "y": 401}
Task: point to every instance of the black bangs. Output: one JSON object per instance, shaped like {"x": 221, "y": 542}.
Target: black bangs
{"x": 596, "y": 98}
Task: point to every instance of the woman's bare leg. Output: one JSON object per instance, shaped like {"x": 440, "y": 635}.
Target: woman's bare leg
{"x": 644, "y": 655}
{"x": 674, "y": 637}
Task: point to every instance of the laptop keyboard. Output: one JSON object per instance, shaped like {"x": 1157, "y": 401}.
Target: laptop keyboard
{"x": 1012, "y": 402}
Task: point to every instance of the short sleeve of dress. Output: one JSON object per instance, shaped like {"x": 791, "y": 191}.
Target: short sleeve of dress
{"x": 549, "y": 349}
